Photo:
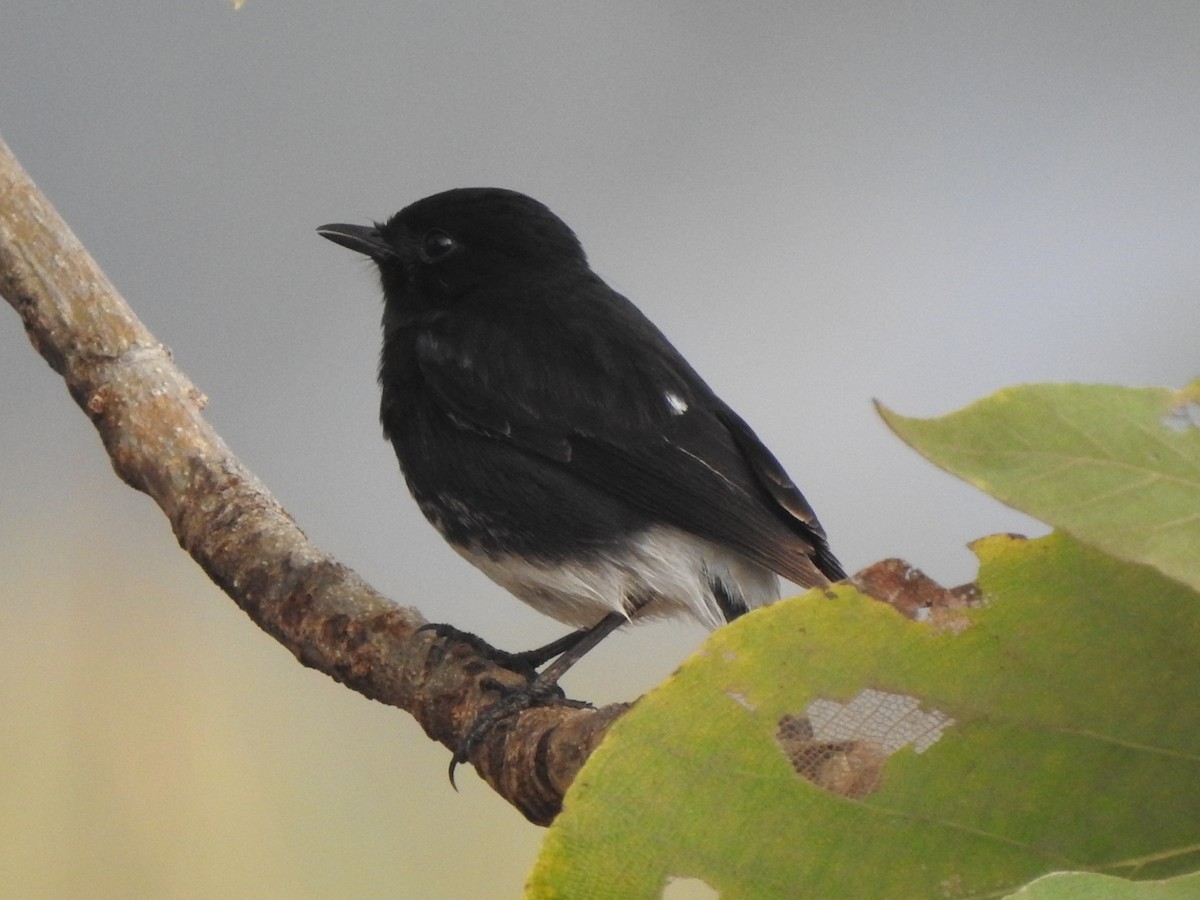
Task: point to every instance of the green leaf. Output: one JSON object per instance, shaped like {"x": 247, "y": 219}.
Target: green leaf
{"x": 1090, "y": 886}
{"x": 831, "y": 748}
{"x": 1118, "y": 468}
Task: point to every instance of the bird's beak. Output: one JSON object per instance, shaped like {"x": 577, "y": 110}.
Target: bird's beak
{"x": 364, "y": 239}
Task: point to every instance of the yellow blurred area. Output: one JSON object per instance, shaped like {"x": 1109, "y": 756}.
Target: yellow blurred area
{"x": 155, "y": 743}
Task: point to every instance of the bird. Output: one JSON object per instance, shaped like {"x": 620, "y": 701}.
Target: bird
{"x": 558, "y": 441}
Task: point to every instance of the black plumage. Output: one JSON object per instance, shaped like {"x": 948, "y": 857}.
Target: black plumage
{"x": 556, "y": 438}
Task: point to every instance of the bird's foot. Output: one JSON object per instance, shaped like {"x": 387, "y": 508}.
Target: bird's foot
{"x": 522, "y": 663}
{"x": 514, "y": 700}
{"x": 539, "y": 687}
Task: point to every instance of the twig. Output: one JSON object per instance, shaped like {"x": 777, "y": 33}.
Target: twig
{"x": 149, "y": 417}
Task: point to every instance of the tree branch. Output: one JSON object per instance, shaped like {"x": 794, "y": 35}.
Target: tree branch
{"x": 148, "y": 415}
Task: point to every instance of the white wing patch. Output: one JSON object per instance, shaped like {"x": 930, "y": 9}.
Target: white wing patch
{"x": 678, "y": 405}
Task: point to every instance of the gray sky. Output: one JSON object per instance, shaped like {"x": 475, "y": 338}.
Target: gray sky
{"x": 820, "y": 204}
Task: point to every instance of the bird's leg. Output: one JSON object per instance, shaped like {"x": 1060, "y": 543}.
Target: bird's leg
{"x": 527, "y": 661}
{"x": 570, "y": 649}
{"x": 539, "y": 656}
{"x": 575, "y": 646}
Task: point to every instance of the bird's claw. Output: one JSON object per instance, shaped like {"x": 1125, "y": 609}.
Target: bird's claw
{"x": 514, "y": 662}
{"x": 515, "y": 700}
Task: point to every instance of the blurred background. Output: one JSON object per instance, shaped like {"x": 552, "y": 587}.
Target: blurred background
{"x": 820, "y": 204}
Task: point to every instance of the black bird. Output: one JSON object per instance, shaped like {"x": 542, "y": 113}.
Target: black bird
{"x": 558, "y": 441}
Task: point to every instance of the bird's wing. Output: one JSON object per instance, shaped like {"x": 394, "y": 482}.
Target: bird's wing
{"x": 603, "y": 394}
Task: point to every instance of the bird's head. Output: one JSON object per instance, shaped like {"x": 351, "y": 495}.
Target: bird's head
{"x": 436, "y": 250}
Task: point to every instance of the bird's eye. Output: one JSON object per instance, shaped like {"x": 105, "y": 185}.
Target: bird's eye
{"x": 437, "y": 245}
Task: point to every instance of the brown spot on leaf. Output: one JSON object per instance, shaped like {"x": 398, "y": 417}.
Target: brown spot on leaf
{"x": 842, "y": 747}
{"x": 851, "y": 769}
{"x": 916, "y": 596}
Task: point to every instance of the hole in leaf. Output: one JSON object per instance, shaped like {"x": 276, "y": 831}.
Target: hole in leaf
{"x": 689, "y": 889}
{"x": 842, "y": 747}
{"x": 1183, "y": 417}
